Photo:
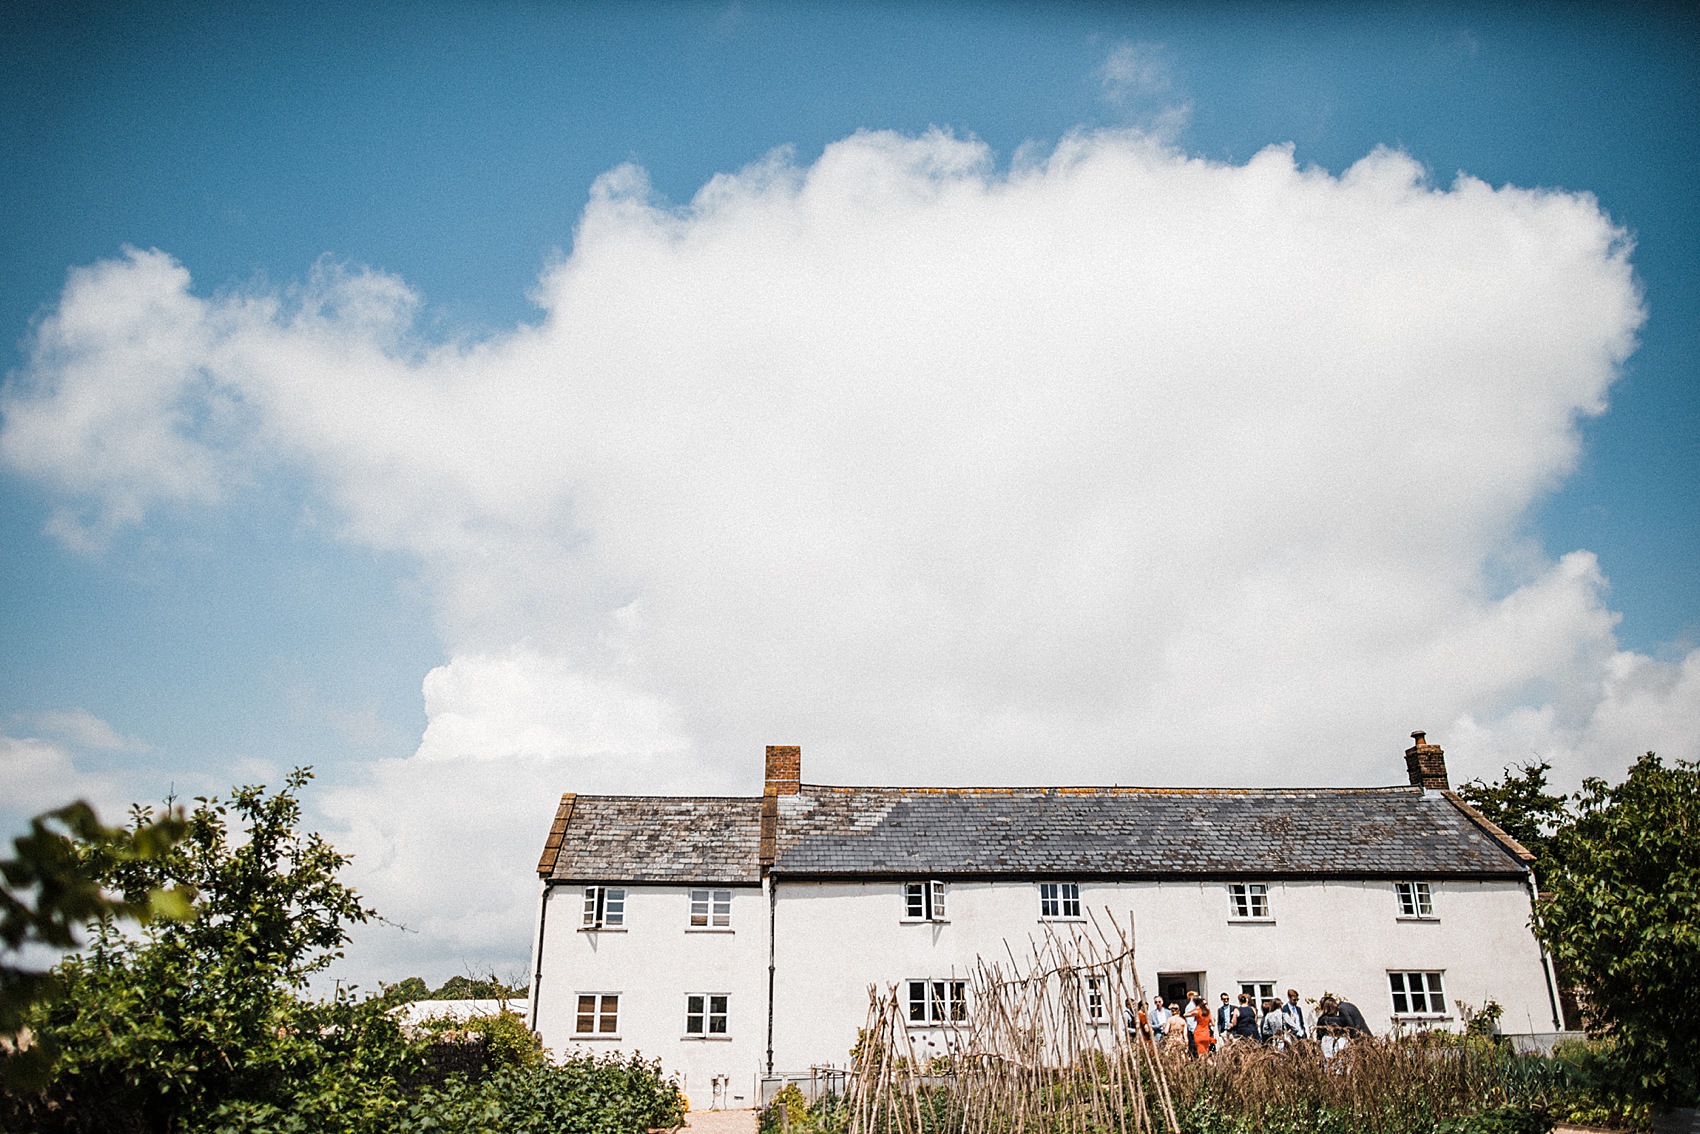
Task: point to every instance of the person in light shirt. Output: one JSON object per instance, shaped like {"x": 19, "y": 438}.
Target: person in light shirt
{"x": 1225, "y": 1017}
{"x": 1295, "y": 1013}
{"x": 1274, "y": 1028}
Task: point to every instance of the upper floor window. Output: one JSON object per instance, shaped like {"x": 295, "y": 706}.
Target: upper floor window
{"x": 711, "y": 909}
{"x": 705, "y": 1014}
{"x": 938, "y": 1001}
{"x": 598, "y": 1014}
{"x": 923, "y": 901}
{"x": 1415, "y": 899}
{"x": 604, "y": 907}
{"x": 1059, "y": 899}
{"x": 1248, "y": 901}
{"x": 1417, "y": 994}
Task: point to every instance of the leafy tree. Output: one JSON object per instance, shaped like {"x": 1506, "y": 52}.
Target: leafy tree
{"x": 1521, "y": 804}
{"x": 203, "y": 1024}
{"x": 1620, "y": 917}
{"x": 156, "y": 1028}
{"x": 406, "y": 991}
{"x": 473, "y": 988}
{"x": 48, "y": 888}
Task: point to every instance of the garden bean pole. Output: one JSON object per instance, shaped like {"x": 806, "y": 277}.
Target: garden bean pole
{"x": 1041, "y": 1048}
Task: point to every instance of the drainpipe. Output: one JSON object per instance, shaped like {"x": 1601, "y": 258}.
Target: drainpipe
{"x": 1546, "y": 961}
{"x": 537, "y": 977}
{"x": 772, "y": 919}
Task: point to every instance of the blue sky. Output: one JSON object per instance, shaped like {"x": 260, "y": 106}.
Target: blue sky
{"x": 453, "y": 148}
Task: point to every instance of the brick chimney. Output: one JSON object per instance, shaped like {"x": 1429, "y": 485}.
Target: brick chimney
{"x": 785, "y": 769}
{"x": 1426, "y": 762}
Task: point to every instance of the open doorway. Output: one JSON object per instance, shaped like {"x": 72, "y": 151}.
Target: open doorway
{"x": 1173, "y": 987}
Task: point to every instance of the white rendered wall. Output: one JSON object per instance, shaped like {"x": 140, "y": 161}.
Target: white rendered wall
{"x": 832, "y": 940}
{"x": 653, "y": 961}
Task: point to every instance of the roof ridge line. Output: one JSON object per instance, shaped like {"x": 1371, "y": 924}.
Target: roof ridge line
{"x": 1107, "y": 789}
{"x": 1499, "y": 834}
{"x": 686, "y": 798}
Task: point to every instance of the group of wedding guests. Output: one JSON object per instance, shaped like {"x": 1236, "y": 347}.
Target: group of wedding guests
{"x": 1193, "y": 1028}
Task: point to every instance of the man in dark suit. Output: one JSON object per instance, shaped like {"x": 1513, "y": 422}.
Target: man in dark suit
{"x": 1354, "y": 1018}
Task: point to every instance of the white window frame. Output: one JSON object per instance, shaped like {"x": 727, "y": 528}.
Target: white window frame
{"x": 711, "y": 909}
{"x": 1251, "y": 987}
{"x": 604, "y": 1009}
{"x": 1416, "y": 901}
{"x": 1093, "y": 989}
{"x": 1428, "y": 989}
{"x": 1244, "y": 900}
{"x": 703, "y": 1012}
{"x": 923, "y": 901}
{"x": 941, "y": 1001}
{"x": 1059, "y": 901}
{"x": 604, "y": 907}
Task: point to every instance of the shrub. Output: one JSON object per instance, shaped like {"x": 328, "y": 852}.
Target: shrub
{"x": 826, "y": 1115}
{"x": 1510, "y": 1120}
{"x": 584, "y": 1095}
{"x": 788, "y": 1100}
{"x": 507, "y": 1041}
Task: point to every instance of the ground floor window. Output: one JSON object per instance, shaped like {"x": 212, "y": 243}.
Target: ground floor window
{"x": 1095, "y": 999}
{"x": 1259, "y": 991}
{"x": 938, "y": 1001}
{"x": 1417, "y": 994}
{"x": 705, "y": 1014}
{"x": 598, "y": 1014}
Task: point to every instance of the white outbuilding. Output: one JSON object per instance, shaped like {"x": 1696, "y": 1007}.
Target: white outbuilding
{"x": 735, "y": 938}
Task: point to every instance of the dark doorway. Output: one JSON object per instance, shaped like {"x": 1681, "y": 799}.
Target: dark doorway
{"x": 1173, "y": 987}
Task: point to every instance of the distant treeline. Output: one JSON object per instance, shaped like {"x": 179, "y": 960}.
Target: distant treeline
{"x": 455, "y": 988}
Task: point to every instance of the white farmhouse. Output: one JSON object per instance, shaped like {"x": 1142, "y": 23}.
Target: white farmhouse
{"x": 734, "y": 938}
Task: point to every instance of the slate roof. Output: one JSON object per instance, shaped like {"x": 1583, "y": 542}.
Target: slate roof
{"x": 1135, "y": 832}
{"x": 838, "y": 832}
{"x": 655, "y": 838}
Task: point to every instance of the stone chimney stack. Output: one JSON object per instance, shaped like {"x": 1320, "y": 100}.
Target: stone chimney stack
{"x": 785, "y": 769}
{"x": 1426, "y": 762}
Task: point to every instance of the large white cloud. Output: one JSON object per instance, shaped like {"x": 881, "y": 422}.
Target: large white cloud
{"x": 1116, "y": 465}
{"x": 48, "y": 767}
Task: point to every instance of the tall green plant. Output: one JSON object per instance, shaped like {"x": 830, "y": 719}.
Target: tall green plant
{"x": 49, "y": 888}
{"x": 1620, "y": 917}
{"x": 156, "y": 1027}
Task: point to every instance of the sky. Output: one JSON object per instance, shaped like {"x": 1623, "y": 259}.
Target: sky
{"x": 484, "y": 401}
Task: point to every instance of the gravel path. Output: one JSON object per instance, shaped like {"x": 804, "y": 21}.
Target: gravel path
{"x": 721, "y": 1121}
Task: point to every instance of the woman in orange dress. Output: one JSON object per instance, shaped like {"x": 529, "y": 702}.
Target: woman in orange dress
{"x": 1203, "y": 1031}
